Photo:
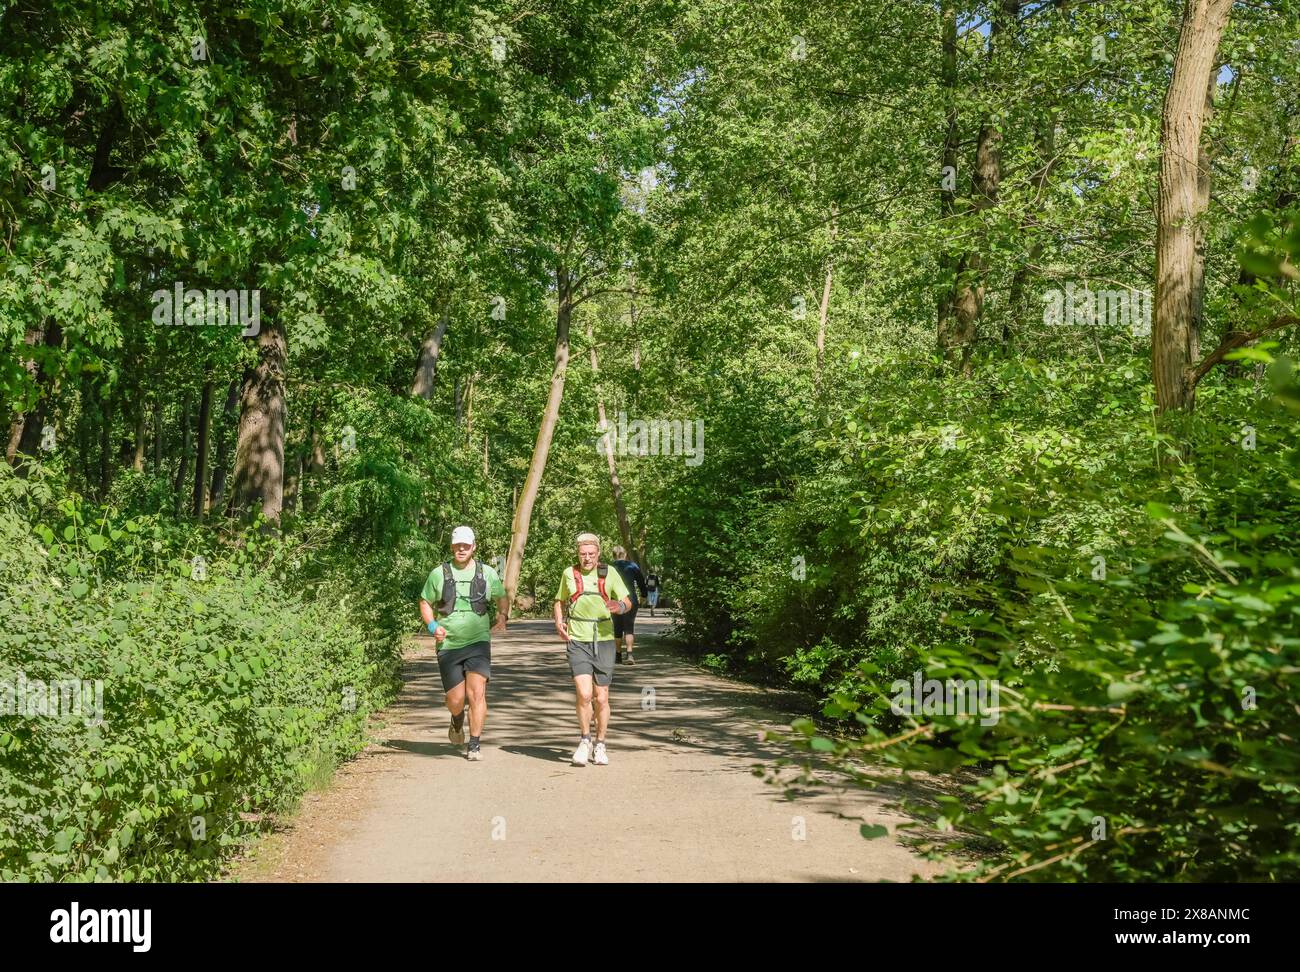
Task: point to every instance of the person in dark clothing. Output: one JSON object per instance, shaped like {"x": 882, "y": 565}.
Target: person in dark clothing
{"x": 625, "y": 624}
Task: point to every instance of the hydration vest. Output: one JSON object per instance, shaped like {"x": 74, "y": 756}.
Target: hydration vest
{"x": 477, "y": 591}
{"x": 601, "y": 571}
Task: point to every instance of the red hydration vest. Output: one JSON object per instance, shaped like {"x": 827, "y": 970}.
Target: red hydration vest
{"x": 601, "y": 571}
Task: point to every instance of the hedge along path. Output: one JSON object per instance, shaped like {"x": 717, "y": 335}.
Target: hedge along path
{"x": 678, "y": 802}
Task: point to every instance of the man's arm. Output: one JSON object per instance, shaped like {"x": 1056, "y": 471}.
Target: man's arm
{"x": 503, "y": 609}
{"x": 623, "y": 600}
{"x": 561, "y": 628}
{"x": 426, "y": 612}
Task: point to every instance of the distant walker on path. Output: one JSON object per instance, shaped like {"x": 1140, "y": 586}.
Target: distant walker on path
{"x": 625, "y": 624}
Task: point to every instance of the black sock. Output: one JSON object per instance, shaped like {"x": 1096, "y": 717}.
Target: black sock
{"x": 586, "y": 736}
{"x": 458, "y": 720}
{"x": 473, "y": 742}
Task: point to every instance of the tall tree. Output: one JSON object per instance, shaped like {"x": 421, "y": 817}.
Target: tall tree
{"x": 1180, "y": 204}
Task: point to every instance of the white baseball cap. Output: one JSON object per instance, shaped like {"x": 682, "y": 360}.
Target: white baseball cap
{"x": 462, "y": 534}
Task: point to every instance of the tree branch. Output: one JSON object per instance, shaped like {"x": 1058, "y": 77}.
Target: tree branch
{"x": 1233, "y": 340}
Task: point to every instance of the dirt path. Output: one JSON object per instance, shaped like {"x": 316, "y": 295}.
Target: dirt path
{"x": 678, "y": 802}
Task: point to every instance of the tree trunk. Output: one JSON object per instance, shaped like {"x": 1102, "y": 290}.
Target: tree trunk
{"x": 469, "y": 408}
{"x": 201, "y": 452}
{"x": 426, "y": 372}
{"x": 219, "y": 470}
{"x": 821, "y": 325}
{"x": 137, "y": 454}
{"x": 1175, "y": 344}
{"x": 968, "y": 297}
{"x": 615, "y": 487}
{"x": 34, "y": 336}
{"x": 545, "y": 431}
{"x": 948, "y": 264}
{"x": 33, "y": 425}
{"x": 182, "y": 467}
{"x": 259, "y": 452}
{"x": 1016, "y": 301}
{"x": 297, "y": 454}
{"x": 105, "y": 445}
{"x": 157, "y": 438}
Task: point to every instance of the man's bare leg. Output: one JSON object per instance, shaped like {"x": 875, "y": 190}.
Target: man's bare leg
{"x": 582, "y": 685}
{"x": 456, "y": 700}
{"x": 602, "y": 711}
{"x": 456, "y": 706}
{"x": 476, "y": 688}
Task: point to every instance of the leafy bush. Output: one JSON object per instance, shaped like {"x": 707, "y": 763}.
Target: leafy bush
{"x": 1143, "y": 724}
{"x": 222, "y": 697}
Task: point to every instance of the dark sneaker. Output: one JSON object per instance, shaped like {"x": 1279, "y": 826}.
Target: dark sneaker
{"x": 456, "y": 733}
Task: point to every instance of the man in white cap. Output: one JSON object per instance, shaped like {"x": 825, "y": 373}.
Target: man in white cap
{"x": 593, "y": 594}
{"x": 454, "y": 605}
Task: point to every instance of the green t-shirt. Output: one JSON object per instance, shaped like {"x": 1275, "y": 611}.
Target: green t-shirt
{"x": 464, "y": 627}
{"x": 589, "y": 613}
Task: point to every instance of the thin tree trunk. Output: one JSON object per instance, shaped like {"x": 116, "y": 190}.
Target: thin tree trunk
{"x": 615, "y": 487}
{"x": 201, "y": 452}
{"x": 259, "y": 452}
{"x": 157, "y": 438}
{"x": 34, "y": 336}
{"x": 972, "y": 269}
{"x": 33, "y": 426}
{"x": 949, "y": 264}
{"x": 220, "y": 468}
{"x": 137, "y": 454}
{"x": 105, "y": 445}
{"x": 182, "y": 467}
{"x": 1174, "y": 340}
{"x": 293, "y": 473}
{"x": 821, "y": 325}
{"x": 426, "y": 372}
{"x": 469, "y": 408}
{"x": 1016, "y": 301}
{"x": 545, "y": 431}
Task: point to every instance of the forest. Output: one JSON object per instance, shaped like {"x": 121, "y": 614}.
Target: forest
{"x": 941, "y": 340}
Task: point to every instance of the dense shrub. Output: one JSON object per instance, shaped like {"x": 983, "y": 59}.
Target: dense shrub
{"x": 1146, "y": 708}
{"x": 224, "y": 692}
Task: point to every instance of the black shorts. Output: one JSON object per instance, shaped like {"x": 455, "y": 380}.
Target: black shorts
{"x": 625, "y": 624}
{"x": 452, "y": 665}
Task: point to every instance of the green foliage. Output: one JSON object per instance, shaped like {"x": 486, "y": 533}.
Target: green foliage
{"x": 222, "y": 697}
{"x": 1140, "y": 704}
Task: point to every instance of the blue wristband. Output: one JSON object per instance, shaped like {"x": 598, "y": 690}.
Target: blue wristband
{"x": 433, "y": 626}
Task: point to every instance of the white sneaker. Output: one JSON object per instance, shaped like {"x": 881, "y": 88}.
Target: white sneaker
{"x": 473, "y": 755}
{"x": 580, "y": 754}
{"x": 601, "y": 758}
